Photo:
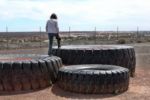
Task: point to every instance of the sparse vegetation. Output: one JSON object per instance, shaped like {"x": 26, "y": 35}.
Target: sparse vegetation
{"x": 35, "y": 39}
{"x": 121, "y": 41}
{"x": 139, "y": 41}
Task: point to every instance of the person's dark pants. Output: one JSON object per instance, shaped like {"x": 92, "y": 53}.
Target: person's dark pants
{"x": 51, "y": 36}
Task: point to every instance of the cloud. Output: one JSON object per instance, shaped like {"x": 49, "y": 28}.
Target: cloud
{"x": 77, "y": 13}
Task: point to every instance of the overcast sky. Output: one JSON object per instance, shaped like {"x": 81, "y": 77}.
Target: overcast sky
{"x": 29, "y": 15}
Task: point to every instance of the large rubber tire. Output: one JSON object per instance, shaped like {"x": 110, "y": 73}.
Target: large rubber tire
{"x": 94, "y": 79}
{"x": 20, "y": 75}
{"x": 98, "y": 54}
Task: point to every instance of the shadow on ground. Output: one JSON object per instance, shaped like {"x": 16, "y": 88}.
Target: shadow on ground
{"x": 21, "y": 92}
{"x": 69, "y": 95}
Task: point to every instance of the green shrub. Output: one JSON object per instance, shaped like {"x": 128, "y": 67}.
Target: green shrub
{"x": 139, "y": 41}
{"x": 148, "y": 40}
{"x": 121, "y": 41}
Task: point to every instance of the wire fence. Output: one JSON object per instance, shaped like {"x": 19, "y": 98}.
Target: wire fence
{"x": 39, "y": 39}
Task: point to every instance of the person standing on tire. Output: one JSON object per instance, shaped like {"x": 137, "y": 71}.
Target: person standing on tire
{"x": 53, "y": 31}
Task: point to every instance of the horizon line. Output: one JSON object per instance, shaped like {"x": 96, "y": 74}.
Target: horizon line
{"x": 79, "y": 31}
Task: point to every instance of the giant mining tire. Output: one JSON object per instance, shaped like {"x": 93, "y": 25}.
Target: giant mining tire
{"x": 94, "y": 79}
{"x": 98, "y": 54}
{"x": 21, "y": 73}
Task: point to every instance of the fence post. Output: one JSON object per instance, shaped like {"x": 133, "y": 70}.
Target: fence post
{"x": 40, "y": 38}
{"x": 18, "y": 42}
{"x": 95, "y": 35}
{"x": 117, "y": 33}
{"x": 69, "y": 32}
{"x": 7, "y": 36}
{"x": 69, "y": 35}
{"x": 137, "y": 34}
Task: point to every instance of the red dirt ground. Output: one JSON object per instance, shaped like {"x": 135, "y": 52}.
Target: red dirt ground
{"x": 139, "y": 88}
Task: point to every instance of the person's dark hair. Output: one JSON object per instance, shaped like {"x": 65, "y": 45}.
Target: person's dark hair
{"x": 53, "y": 16}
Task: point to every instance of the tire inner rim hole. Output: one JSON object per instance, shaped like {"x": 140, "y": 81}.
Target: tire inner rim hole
{"x": 97, "y": 69}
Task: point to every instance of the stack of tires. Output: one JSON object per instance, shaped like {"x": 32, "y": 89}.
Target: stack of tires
{"x": 114, "y": 65}
{"x": 22, "y": 73}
